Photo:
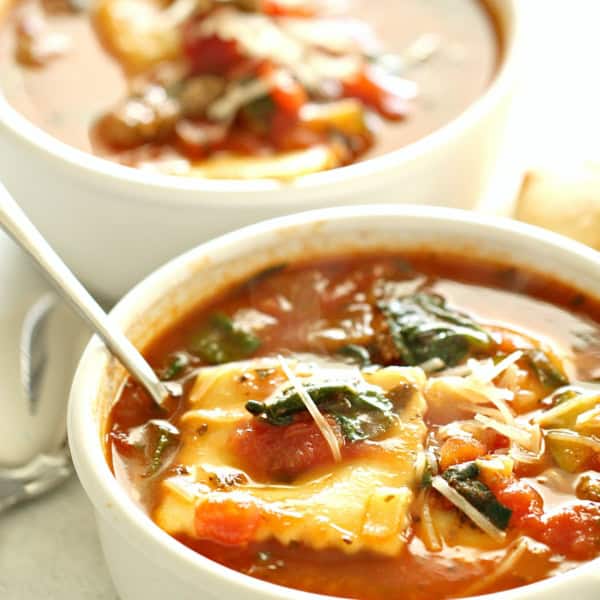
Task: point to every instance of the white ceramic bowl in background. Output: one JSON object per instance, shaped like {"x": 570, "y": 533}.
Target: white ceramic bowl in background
{"x": 114, "y": 224}
{"x": 145, "y": 562}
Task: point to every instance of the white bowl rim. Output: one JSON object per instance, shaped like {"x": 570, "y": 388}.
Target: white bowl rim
{"x": 88, "y": 453}
{"x": 215, "y": 190}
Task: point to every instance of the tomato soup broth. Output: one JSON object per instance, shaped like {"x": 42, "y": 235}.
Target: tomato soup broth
{"x": 502, "y": 488}
{"x": 80, "y": 76}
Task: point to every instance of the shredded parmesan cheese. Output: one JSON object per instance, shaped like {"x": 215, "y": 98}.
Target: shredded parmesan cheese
{"x": 440, "y": 484}
{"x": 566, "y": 435}
{"x": 431, "y": 538}
{"x": 522, "y": 436}
{"x": 554, "y": 414}
{"x": 320, "y": 420}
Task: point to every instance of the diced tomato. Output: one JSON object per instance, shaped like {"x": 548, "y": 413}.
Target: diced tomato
{"x": 226, "y": 521}
{"x": 210, "y": 54}
{"x": 573, "y": 531}
{"x": 455, "y": 451}
{"x": 277, "y": 9}
{"x": 526, "y": 504}
{"x": 369, "y": 90}
{"x": 287, "y": 93}
{"x": 281, "y": 452}
{"x": 242, "y": 141}
{"x": 493, "y": 440}
{"x": 288, "y": 134}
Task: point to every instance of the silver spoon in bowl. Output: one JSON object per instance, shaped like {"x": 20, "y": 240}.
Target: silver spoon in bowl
{"x": 14, "y": 221}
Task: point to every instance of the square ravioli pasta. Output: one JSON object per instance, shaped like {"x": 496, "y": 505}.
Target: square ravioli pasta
{"x": 242, "y": 480}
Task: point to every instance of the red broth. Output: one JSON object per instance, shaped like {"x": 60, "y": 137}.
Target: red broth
{"x": 321, "y": 306}
{"x": 67, "y": 95}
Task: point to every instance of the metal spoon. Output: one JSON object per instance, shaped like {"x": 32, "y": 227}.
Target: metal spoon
{"x": 14, "y": 221}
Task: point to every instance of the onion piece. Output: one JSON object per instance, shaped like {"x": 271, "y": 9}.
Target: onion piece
{"x": 523, "y": 437}
{"x": 315, "y": 413}
{"x": 440, "y": 484}
{"x": 431, "y": 539}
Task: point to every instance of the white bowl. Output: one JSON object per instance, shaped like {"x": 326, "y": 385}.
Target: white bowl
{"x": 146, "y": 562}
{"x": 113, "y": 224}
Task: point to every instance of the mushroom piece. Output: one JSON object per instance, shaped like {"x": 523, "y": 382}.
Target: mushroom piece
{"x": 198, "y": 93}
{"x": 140, "y": 120}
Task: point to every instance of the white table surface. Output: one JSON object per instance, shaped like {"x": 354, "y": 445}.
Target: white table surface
{"x": 49, "y": 549}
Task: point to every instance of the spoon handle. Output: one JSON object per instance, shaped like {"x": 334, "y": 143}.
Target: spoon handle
{"x": 14, "y": 221}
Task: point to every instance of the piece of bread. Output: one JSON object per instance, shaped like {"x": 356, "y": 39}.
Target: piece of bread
{"x": 565, "y": 200}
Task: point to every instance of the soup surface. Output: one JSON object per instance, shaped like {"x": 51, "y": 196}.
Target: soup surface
{"x": 170, "y": 87}
{"x": 376, "y": 427}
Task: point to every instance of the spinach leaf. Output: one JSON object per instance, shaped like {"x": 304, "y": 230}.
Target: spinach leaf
{"x": 166, "y": 438}
{"x": 358, "y": 354}
{"x": 463, "y": 479}
{"x": 259, "y": 112}
{"x": 548, "y": 374}
{"x": 361, "y": 410}
{"x": 422, "y": 327}
{"x": 179, "y": 361}
{"x": 221, "y": 341}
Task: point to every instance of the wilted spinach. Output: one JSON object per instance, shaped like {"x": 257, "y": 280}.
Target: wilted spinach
{"x": 361, "y": 410}
{"x": 164, "y": 438}
{"x": 357, "y": 354}
{"x": 178, "y": 362}
{"x": 463, "y": 479}
{"x": 221, "y": 341}
{"x": 422, "y": 327}
{"x": 545, "y": 370}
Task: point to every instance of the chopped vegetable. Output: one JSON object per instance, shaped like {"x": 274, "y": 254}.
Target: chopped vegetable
{"x": 258, "y": 113}
{"x": 167, "y": 437}
{"x": 222, "y": 341}
{"x": 546, "y": 371}
{"x": 358, "y": 354}
{"x": 456, "y": 451}
{"x": 321, "y": 422}
{"x": 345, "y": 116}
{"x": 462, "y": 478}
{"x": 570, "y": 450}
{"x": 442, "y": 486}
{"x": 361, "y": 410}
{"x": 422, "y": 327}
{"x": 179, "y": 361}
{"x": 588, "y": 487}
{"x": 226, "y": 521}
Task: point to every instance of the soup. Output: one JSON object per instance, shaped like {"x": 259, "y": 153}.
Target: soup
{"x": 245, "y": 89}
{"x": 376, "y": 427}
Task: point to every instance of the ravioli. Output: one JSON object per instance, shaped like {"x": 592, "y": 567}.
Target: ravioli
{"x": 360, "y": 503}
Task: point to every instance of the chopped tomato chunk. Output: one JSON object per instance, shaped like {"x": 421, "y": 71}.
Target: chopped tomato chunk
{"x": 455, "y": 451}
{"x": 369, "y": 90}
{"x": 277, "y": 9}
{"x": 288, "y": 134}
{"x": 573, "y": 531}
{"x": 526, "y": 504}
{"x": 281, "y": 452}
{"x": 210, "y": 54}
{"x": 287, "y": 93}
{"x": 226, "y": 521}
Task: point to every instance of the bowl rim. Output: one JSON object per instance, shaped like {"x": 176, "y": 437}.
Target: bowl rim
{"x": 216, "y": 190}
{"x": 88, "y": 456}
